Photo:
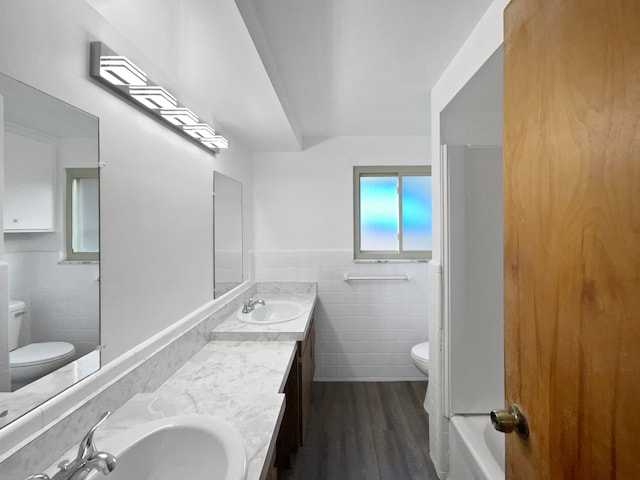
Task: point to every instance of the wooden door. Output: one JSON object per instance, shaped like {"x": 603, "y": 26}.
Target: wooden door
{"x": 572, "y": 237}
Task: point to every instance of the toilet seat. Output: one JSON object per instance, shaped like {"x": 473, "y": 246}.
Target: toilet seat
{"x": 40, "y": 354}
{"x": 421, "y": 351}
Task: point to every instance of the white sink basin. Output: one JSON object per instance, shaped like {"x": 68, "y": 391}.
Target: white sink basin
{"x": 194, "y": 447}
{"x": 273, "y": 312}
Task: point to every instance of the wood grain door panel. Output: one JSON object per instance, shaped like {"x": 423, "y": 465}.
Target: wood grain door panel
{"x": 572, "y": 236}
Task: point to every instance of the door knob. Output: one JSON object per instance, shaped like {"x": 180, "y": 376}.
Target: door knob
{"x": 511, "y": 420}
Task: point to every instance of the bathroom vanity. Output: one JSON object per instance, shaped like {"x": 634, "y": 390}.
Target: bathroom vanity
{"x": 257, "y": 378}
{"x": 299, "y": 377}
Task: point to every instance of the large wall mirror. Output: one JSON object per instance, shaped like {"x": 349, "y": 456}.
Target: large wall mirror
{"x": 227, "y": 238}
{"x": 49, "y": 291}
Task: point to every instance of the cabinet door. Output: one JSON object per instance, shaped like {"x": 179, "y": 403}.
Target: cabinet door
{"x": 29, "y": 190}
{"x": 307, "y": 369}
{"x": 288, "y": 437}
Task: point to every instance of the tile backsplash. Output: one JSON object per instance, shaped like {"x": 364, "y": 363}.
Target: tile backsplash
{"x": 364, "y": 329}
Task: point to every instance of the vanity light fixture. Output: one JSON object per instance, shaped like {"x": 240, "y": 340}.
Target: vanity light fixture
{"x": 119, "y": 70}
{"x": 217, "y": 141}
{"x": 153, "y": 96}
{"x": 199, "y": 131}
{"x": 206, "y": 135}
{"x": 179, "y": 116}
{"x": 121, "y": 76}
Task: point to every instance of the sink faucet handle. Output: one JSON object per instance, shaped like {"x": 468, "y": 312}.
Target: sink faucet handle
{"x": 87, "y": 447}
{"x": 245, "y": 306}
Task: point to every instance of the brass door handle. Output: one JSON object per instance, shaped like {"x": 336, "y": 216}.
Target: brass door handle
{"x": 511, "y": 420}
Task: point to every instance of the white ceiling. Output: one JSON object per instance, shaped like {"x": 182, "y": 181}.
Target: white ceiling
{"x": 272, "y": 74}
{"x": 362, "y": 67}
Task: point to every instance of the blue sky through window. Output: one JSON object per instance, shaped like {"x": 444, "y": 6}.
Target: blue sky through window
{"x": 378, "y": 213}
{"x": 416, "y": 213}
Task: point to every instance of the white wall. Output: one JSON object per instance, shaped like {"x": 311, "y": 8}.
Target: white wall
{"x": 304, "y": 200}
{"x": 472, "y": 128}
{"x": 303, "y": 207}
{"x": 155, "y": 186}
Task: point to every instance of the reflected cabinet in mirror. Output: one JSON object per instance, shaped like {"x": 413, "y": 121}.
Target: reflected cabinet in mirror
{"x": 49, "y": 269}
{"x": 227, "y": 234}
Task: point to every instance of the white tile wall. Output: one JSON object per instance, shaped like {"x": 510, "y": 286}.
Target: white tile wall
{"x": 364, "y": 329}
{"x": 62, "y": 299}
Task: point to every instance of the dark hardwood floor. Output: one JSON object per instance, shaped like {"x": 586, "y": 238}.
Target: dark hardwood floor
{"x": 368, "y": 431}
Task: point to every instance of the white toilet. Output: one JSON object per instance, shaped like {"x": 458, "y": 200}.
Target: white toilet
{"x": 35, "y": 360}
{"x": 420, "y": 357}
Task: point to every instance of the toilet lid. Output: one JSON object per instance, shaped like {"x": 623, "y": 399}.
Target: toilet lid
{"x": 421, "y": 350}
{"x": 37, "y": 353}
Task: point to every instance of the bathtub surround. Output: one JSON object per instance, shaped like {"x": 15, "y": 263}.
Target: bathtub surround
{"x": 474, "y": 312}
{"x": 364, "y": 330}
{"x": 483, "y": 41}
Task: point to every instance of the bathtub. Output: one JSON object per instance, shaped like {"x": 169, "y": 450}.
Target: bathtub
{"x": 476, "y": 449}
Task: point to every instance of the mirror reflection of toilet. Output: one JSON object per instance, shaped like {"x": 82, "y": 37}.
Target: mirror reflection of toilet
{"x": 30, "y": 362}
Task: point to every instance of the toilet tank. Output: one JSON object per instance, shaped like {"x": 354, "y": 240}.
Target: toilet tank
{"x": 17, "y": 309}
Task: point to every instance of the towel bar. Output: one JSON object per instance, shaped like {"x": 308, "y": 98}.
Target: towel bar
{"x": 348, "y": 278}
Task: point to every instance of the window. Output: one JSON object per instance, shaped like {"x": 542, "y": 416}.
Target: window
{"x": 392, "y": 212}
{"x": 82, "y": 218}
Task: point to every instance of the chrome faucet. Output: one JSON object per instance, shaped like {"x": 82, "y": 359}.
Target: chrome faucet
{"x": 87, "y": 460}
{"x": 251, "y": 304}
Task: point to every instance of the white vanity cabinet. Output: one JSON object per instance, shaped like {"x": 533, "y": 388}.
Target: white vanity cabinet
{"x": 29, "y": 183}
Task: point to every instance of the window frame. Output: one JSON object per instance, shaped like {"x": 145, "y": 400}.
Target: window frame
{"x": 71, "y": 175}
{"x": 385, "y": 171}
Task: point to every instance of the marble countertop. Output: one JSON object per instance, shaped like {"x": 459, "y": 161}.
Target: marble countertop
{"x": 237, "y": 381}
{"x": 233, "y": 329}
{"x": 235, "y": 367}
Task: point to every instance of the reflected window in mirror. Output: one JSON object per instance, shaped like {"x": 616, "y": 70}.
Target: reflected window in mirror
{"x": 82, "y": 217}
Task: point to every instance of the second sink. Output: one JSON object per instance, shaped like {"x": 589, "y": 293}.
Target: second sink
{"x": 275, "y": 311}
